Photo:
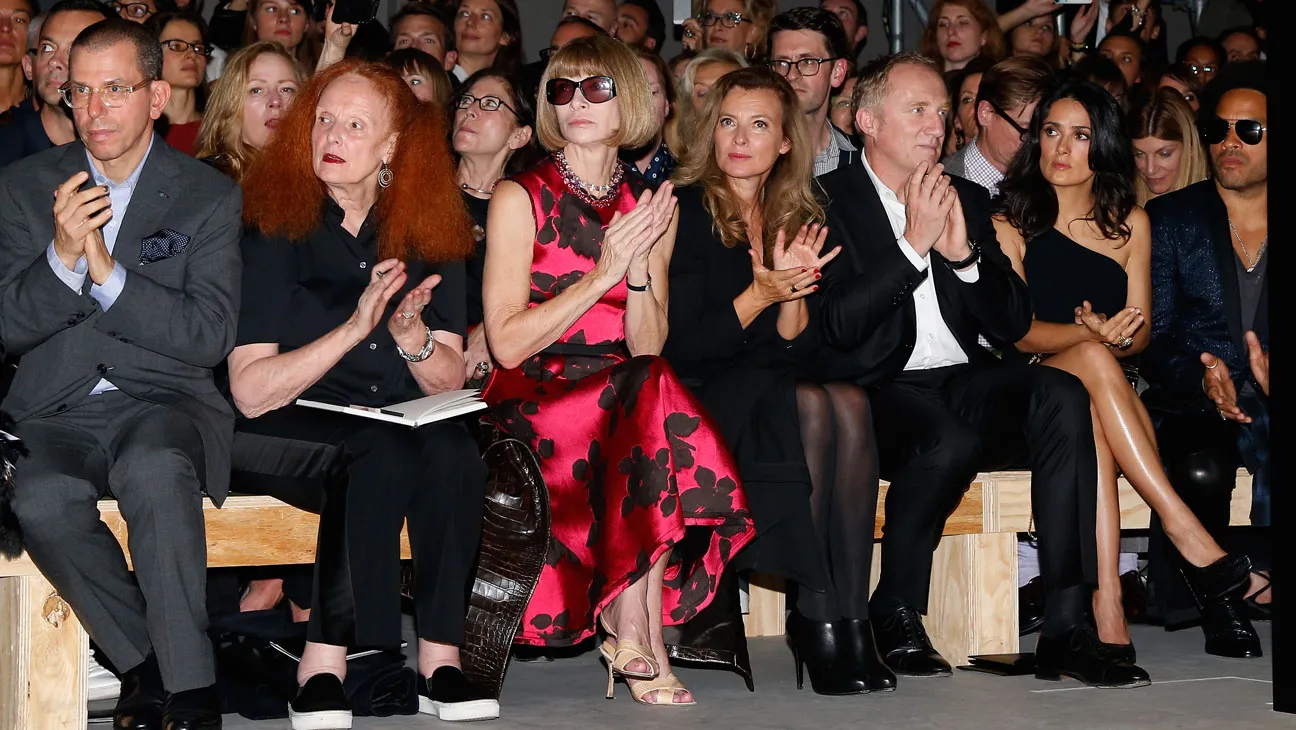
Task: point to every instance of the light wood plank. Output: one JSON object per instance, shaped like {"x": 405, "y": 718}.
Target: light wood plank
{"x": 44, "y": 658}
{"x": 766, "y": 606}
{"x": 972, "y": 604}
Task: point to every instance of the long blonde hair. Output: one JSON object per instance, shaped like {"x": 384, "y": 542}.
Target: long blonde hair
{"x": 220, "y": 138}
{"x": 788, "y": 200}
{"x": 1166, "y": 116}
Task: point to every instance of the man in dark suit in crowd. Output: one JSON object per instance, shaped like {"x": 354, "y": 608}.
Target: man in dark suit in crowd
{"x": 119, "y": 285}
{"x": 48, "y": 122}
{"x": 920, "y": 277}
{"x": 1207, "y": 366}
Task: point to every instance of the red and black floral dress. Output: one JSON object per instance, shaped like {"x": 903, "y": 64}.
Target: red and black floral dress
{"x": 635, "y": 468}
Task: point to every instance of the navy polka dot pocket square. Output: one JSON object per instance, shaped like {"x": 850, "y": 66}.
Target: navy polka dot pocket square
{"x": 162, "y": 245}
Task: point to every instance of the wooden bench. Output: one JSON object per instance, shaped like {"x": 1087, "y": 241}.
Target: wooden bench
{"x": 972, "y": 606}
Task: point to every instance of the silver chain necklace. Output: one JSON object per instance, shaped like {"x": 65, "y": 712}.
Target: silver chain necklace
{"x": 1251, "y": 263}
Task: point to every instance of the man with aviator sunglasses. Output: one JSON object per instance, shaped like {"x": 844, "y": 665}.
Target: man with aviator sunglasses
{"x": 1207, "y": 364}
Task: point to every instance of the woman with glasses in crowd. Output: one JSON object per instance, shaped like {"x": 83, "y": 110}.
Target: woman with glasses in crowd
{"x": 747, "y": 265}
{"x": 1168, "y": 151}
{"x": 959, "y": 31}
{"x": 1073, "y": 230}
{"x": 492, "y": 136}
{"x": 741, "y": 26}
{"x": 575, "y": 294}
{"x": 246, "y": 105}
{"x": 185, "y": 50}
{"x": 488, "y": 34}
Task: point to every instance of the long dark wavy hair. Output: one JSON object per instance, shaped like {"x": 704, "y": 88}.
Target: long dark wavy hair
{"x": 1028, "y": 200}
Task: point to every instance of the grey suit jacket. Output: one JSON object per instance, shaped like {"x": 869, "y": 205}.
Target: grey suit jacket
{"x": 174, "y": 321}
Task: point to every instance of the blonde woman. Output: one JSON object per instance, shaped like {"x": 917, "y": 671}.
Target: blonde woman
{"x": 742, "y": 284}
{"x": 1167, "y": 147}
{"x": 246, "y": 104}
{"x": 700, "y": 74}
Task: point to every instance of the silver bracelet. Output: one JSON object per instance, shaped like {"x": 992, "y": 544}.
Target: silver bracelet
{"x": 429, "y": 347}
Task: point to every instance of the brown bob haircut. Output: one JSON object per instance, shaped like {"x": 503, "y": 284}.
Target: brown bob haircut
{"x": 600, "y": 55}
{"x": 421, "y": 216}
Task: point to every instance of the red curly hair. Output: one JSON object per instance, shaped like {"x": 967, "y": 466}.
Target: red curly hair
{"x": 421, "y": 216}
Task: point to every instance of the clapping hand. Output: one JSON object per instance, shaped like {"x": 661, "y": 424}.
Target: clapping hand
{"x": 1218, "y": 386}
{"x": 804, "y": 249}
{"x": 928, "y": 201}
{"x": 387, "y": 278}
{"x": 629, "y": 238}
{"x": 1117, "y": 331}
{"x": 1259, "y": 362}
{"x": 78, "y": 215}
{"x": 774, "y": 286}
{"x": 406, "y": 325}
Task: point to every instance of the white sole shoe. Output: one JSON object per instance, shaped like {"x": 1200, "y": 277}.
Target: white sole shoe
{"x": 458, "y": 711}
{"x": 101, "y": 684}
{"x": 326, "y": 720}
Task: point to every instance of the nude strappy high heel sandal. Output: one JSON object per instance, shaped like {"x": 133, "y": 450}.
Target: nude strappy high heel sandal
{"x": 619, "y": 653}
{"x": 666, "y": 688}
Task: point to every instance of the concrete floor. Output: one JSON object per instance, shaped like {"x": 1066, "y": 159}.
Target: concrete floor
{"x": 1189, "y": 690}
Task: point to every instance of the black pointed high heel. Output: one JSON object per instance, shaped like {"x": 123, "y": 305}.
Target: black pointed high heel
{"x": 1220, "y": 591}
{"x": 817, "y": 647}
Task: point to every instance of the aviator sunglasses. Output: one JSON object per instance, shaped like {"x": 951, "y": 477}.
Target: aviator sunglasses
{"x": 1216, "y": 130}
{"x": 595, "y": 89}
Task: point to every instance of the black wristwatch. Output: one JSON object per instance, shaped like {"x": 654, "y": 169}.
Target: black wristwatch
{"x": 972, "y": 258}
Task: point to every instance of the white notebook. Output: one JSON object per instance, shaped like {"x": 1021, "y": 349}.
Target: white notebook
{"x": 412, "y": 413}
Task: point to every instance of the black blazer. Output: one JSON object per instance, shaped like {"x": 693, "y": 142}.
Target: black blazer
{"x": 1196, "y": 306}
{"x": 868, "y": 314}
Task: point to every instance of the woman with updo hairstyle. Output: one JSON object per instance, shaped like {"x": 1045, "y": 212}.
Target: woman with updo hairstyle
{"x": 741, "y": 26}
{"x": 646, "y": 505}
{"x": 354, "y": 294}
{"x": 1168, "y": 151}
{"x": 960, "y": 30}
{"x": 1073, "y": 230}
{"x": 246, "y": 105}
{"x": 744, "y": 325}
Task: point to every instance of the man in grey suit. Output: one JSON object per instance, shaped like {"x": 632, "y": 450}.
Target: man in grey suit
{"x": 1006, "y": 99}
{"x": 119, "y": 286}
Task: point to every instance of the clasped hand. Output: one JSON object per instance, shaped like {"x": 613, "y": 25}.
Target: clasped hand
{"x": 629, "y": 239}
{"x": 797, "y": 266}
{"x": 78, "y": 216}
{"x": 1114, "y": 331}
{"x": 934, "y": 214}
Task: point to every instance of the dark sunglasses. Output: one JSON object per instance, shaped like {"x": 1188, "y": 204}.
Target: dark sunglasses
{"x": 595, "y": 89}
{"x": 1004, "y": 115}
{"x": 1216, "y": 130}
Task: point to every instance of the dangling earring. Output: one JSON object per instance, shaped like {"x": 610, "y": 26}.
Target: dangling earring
{"x": 385, "y": 176}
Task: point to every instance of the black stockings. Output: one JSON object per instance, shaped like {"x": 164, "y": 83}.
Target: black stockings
{"x": 841, "y": 453}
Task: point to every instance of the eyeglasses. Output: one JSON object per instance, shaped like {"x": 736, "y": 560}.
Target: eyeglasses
{"x": 1203, "y": 69}
{"x": 1249, "y": 131}
{"x": 804, "y": 66}
{"x": 486, "y": 103}
{"x": 78, "y": 96}
{"x": 728, "y": 20}
{"x": 1004, "y": 115}
{"x": 595, "y": 89}
{"x": 175, "y": 45}
{"x": 134, "y": 11}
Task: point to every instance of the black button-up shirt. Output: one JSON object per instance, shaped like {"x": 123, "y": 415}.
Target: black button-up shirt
{"x": 295, "y": 293}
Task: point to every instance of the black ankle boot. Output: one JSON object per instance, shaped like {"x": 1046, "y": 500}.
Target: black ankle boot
{"x": 817, "y": 646}
{"x": 858, "y": 635}
{"x": 1220, "y": 590}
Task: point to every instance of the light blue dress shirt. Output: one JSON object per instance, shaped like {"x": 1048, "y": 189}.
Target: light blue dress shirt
{"x": 119, "y": 194}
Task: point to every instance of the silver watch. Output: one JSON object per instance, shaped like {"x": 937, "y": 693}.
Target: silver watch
{"x": 429, "y": 347}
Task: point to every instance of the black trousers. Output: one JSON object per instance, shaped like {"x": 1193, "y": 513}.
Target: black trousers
{"x": 937, "y": 428}
{"x": 376, "y": 477}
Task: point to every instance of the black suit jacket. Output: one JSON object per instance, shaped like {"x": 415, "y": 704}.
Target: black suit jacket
{"x": 21, "y": 133}
{"x": 868, "y": 313}
{"x": 1196, "y": 305}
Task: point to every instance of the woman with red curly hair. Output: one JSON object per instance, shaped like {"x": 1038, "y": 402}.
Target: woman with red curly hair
{"x": 354, "y": 293}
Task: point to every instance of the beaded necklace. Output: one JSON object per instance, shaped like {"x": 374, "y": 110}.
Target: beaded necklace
{"x": 586, "y": 191}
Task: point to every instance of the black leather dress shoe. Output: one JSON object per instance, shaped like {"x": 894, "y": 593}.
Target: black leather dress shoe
{"x": 818, "y": 646}
{"x": 194, "y": 709}
{"x": 858, "y": 635}
{"x": 1077, "y": 654}
{"x": 903, "y": 643}
{"x": 1030, "y": 607}
{"x": 1220, "y": 591}
{"x": 448, "y": 696}
{"x": 139, "y": 707}
{"x": 1125, "y": 653}
{"x": 320, "y": 704}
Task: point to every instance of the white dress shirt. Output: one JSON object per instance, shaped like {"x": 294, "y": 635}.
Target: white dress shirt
{"x": 935, "y": 345}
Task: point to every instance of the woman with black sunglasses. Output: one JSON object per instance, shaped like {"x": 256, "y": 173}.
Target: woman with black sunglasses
{"x": 575, "y": 292}
{"x": 492, "y": 136}
{"x": 1073, "y": 231}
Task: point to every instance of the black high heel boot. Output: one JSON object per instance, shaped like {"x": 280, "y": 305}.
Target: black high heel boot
{"x": 1219, "y": 589}
{"x": 817, "y": 646}
{"x": 858, "y": 635}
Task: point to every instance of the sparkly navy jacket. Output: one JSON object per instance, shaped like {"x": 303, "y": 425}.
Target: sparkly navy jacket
{"x": 1196, "y": 306}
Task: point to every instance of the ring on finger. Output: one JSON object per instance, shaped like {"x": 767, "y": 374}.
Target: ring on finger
{"x": 408, "y": 315}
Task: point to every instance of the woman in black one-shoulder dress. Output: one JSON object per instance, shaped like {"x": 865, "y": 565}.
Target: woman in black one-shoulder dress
{"x": 1073, "y": 231}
